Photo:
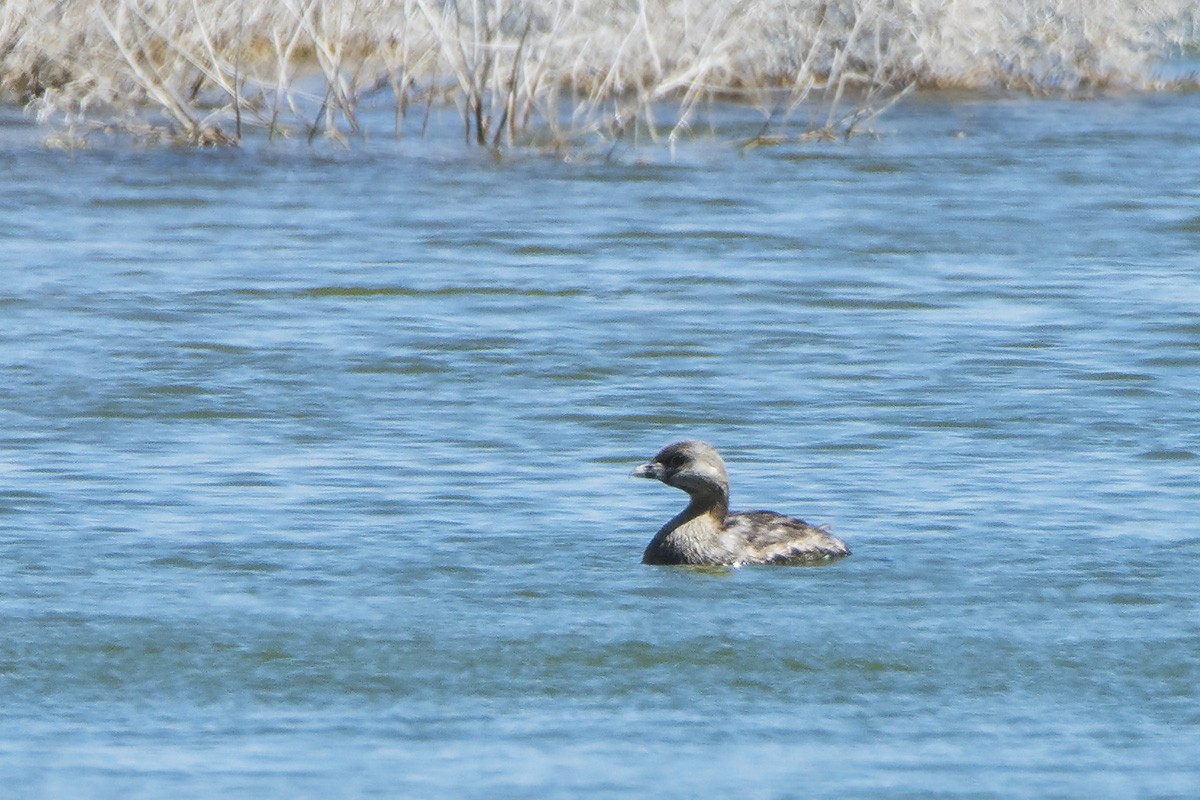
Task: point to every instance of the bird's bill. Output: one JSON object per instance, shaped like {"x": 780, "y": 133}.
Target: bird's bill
{"x": 648, "y": 470}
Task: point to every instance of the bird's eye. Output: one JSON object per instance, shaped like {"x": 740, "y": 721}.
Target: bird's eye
{"x": 674, "y": 461}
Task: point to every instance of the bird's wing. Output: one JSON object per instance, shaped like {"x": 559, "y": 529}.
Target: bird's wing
{"x": 779, "y": 538}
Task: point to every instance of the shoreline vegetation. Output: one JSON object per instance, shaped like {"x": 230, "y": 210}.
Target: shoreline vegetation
{"x": 554, "y": 74}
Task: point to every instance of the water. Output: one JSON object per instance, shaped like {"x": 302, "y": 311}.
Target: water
{"x": 314, "y": 465}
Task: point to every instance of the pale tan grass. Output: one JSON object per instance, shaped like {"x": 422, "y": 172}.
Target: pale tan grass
{"x": 556, "y": 72}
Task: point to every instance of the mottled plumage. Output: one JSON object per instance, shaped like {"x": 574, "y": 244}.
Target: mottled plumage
{"x": 706, "y": 533}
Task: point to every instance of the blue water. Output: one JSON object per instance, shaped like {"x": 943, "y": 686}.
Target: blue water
{"x": 314, "y": 464}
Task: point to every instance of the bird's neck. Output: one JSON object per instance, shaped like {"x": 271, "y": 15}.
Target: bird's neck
{"x": 712, "y": 504}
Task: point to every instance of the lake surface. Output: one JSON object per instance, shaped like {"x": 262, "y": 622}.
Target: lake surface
{"x": 314, "y": 464}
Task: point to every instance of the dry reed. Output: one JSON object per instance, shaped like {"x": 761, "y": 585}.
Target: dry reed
{"x": 551, "y": 72}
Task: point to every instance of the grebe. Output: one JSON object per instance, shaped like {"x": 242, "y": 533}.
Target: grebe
{"x": 706, "y": 533}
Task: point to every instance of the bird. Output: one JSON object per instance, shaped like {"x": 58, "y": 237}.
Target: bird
{"x": 707, "y": 534}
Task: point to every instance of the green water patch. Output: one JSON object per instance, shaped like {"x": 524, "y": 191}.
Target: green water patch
{"x": 323, "y": 292}
{"x": 1169, "y": 455}
{"x": 870, "y": 304}
{"x": 216, "y": 348}
{"x": 171, "y": 390}
{"x": 1187, "y": 226}
{"x": 545, "y": 250}
{"x": 400, "y": 366}
{"x": 1117, "y": 377}
{"x": 149, "y": 202}
{"x": 1173, "y": 362}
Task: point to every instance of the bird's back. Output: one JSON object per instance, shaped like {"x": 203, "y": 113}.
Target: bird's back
{"x": 765, "y": 537}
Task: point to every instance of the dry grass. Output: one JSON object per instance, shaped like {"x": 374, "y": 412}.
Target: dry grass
{"x": 551, "y": 72}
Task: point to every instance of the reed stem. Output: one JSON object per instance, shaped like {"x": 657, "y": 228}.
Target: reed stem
{"x": 558, "y": 71}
